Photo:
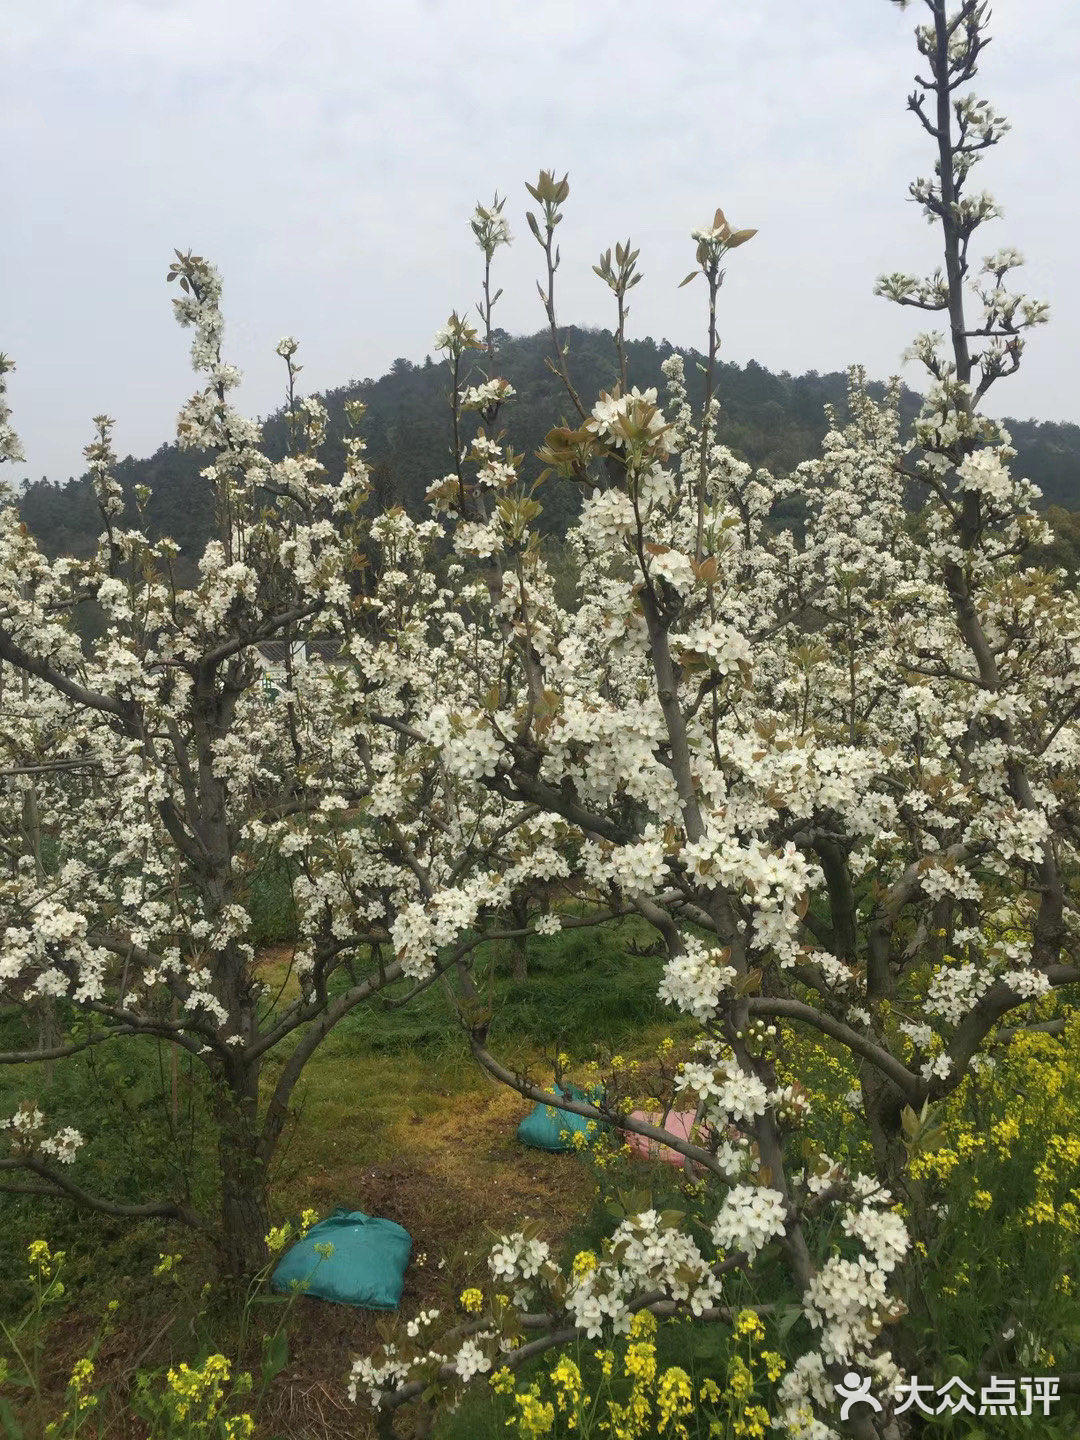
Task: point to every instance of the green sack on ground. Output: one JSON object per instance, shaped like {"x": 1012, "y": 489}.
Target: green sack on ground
{"x": 366, "y": 1268}
{"x": 545, "y": 1127}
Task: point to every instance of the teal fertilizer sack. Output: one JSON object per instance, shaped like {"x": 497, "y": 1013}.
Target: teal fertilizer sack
{"x": 545, "y": 1127}
{"x": 366, "y": 1268}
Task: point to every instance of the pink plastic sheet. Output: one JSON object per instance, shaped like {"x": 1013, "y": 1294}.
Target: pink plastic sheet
{"x": 678, "y": 1122}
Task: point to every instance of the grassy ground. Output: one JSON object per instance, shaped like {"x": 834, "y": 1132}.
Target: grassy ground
{"x": 396, "y": 1119}
{"x": 393, "y": 1118}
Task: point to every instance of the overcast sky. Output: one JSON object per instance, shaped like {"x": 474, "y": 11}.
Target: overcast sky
{"x": 327, "y": 155}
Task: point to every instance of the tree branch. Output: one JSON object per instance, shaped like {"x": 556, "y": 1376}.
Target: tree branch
{"x": 60, "y": 1187}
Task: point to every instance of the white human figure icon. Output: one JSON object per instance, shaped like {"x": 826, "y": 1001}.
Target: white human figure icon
{"x": 855, "y": 1391}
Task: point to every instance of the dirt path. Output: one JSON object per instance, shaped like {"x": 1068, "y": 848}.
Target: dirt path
{"x": 459, "y": 1179}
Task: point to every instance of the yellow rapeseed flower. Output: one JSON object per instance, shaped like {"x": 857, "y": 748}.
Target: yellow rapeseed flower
{"x": 82, "y": 1377}
{"x": 740, "y": 1380}
{"x": 277, "y": 1237}
{"x": 535, "y": 1417}
{"x": 752, "y": 1422}
{"x": 747, "y": 1322}
{"x": 774, "y": 1364}
{"x": 584, "y": 1261}
{"x": 566, "y": 1378}
{"x": 674, "y": 1402}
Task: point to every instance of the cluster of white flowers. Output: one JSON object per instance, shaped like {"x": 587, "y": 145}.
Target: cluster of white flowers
{"x": 518, "y": 1260}
{"x": 724, "y": 646}
{"x": 695, "y": 981}
{"x": 847, "y": 1299}
{"x": 673, "y": 567}
{"x": 10, "y": 447}
{"x": 63, "y": 1146}
{"x": 607, "y": 517}
{"x": 805, "y": 1386}
{"x": 378, "y": 1377}
{"x": 729, "y": 1093}
{"x": 481, "y": 541}
{"x": 838, "y": 975}
{"x": 421, "y": 1320}
{"x": 921, "y": 1035}
{"x": 880, "y": 1231}
{"x": 490, "y": 392}
{"x": 646, "y": 1254}
{"x": 985, "y": 473}
{"x": 466, "y": 742}
{"x": 27, "y": 1120}
{"x": 750, "y": 1216}
{"x": 26, "y": 1126}
{"x": 639, "y": 868}
{"x": 616, "y": 418}
{"x": 955, "y": 880}
{"x": 1031, "y": 984}
{"x": 938, "y": 1067}
{"x": 470, "y": 1360}
{"x": 490, "y": 226}
{"x": 954, "y": 989}
{"x": 455, "y": 336}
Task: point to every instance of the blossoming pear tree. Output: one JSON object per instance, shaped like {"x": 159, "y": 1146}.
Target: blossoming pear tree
{"x": 149, "y": 783}
{"x": 836, "y": 770}
{"x": 834, "y": 767}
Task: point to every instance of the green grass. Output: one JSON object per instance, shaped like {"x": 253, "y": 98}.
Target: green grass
{"x": 271, "y": 906}
{"x": 385, "y": 1068}
{"x": 583, "y": 988}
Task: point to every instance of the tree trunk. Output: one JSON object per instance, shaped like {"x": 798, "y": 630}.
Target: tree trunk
{"x": 244, "y": 1212}
{"x": 884, "y": 1108}
{"x": 520, "y": 960}
{"x": 519, "y": 912}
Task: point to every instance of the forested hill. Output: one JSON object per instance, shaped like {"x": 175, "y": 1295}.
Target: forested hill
{"x": 771, "y": 420}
